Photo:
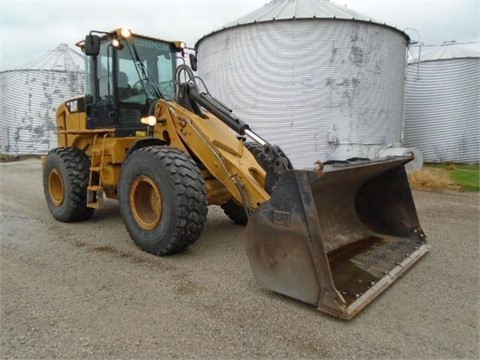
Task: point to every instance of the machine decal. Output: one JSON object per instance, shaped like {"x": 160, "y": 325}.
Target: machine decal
{"x": 75, "y": 105}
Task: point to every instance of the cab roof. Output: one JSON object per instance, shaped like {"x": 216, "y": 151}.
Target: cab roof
{"x": 117, "y": 33}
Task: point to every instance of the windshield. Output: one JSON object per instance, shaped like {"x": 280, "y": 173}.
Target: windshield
{"x": 146, "y": 70}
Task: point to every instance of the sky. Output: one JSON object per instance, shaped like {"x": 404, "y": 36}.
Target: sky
{"x": 30, "y": 28}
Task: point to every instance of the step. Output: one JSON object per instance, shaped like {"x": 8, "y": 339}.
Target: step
{"x": 94, "y": 196}
{"x": 96, "y": 168}
{"x": 93, "y": 205}
{"x": 95, "y": 188}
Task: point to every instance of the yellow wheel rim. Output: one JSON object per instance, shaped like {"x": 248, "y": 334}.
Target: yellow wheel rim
{"x": 146, "y": 202}
{"x": 56, "y": 187}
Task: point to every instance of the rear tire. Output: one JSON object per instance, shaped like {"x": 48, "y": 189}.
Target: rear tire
{"x": 270, "y": 163}
{"x": 65, "y": 182}
{"x": 162, "y": 199}
{"x": 236, "y": 212}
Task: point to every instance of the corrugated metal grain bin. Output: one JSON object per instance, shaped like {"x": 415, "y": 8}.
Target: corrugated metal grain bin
{"x": 29, "y": 97}
{"x": 320, "y": 80}
{"x": 442, "y": 104}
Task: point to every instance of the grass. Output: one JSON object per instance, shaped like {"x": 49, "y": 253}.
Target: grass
{"x": 446, "y": 176}
{"x": 467, "y": 176}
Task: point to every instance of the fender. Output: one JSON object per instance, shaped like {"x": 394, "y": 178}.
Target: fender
{"x": 144, "y": 143}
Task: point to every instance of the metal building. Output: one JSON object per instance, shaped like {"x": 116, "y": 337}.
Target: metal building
{"x": 29, "y": 96}
{"x": 320, "y": 80}
{"x": 442, "y": 104}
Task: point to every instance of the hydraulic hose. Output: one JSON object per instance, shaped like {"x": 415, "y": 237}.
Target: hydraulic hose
{"x": 219, "y": 111}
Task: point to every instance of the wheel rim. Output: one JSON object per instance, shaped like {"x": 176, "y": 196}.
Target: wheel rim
{"x": 56, "y": 187}
{"x": 146, "y": 202}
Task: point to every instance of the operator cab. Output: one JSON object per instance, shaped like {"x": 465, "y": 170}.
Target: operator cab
{"x": 125, "y": 74}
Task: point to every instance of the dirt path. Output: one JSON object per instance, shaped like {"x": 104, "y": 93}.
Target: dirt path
{"x": 85, "y": 290}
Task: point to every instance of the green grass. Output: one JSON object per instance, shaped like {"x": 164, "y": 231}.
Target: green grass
{"x": 467, "y": 177}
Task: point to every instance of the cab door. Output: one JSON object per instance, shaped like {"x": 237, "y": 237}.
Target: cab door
{"x": 100, "y": 99}
{"x": 133, "y": 102}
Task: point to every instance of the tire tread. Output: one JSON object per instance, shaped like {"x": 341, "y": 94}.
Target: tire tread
{"x": 75, "y": 177}
{"x": 190, "y": 192}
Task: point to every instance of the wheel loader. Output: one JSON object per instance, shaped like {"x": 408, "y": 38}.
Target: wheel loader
{"x": 149, "y": 134}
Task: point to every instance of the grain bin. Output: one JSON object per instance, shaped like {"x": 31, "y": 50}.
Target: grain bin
{"x": 29, "y": 96}
{"x": 320, "y": 80}
{"x": 442, "y": 103}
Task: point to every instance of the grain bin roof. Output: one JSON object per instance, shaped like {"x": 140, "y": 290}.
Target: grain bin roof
{"x": 278, "y": 10}
{"x": 450, "y": 50}
{"x": 62, "y": 58}
{"x": 299, "y": 9}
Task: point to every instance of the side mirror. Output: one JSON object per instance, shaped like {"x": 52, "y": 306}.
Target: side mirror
{"x": 92, "y": 45}
{"x": 193, "y": 61}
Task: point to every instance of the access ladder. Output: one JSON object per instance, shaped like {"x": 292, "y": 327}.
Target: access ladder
{"x": 95, "y": 189}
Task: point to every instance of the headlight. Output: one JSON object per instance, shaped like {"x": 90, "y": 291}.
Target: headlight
{"x": 149, "y": 120}
{"x": 125, "y": 33}
{"x": 116, "y": 44}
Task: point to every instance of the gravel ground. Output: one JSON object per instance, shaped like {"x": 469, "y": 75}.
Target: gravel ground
{"x": 84, "y": 290}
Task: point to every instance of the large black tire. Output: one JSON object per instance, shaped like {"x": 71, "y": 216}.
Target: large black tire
{"x": 270, "y": 163}
{"x": 236, "y": 212}
{"x": 65, "y": 182}
{"x": 162, "y": 199}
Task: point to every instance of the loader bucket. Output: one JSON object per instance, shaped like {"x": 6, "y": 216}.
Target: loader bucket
{"x": 337, "y": 238}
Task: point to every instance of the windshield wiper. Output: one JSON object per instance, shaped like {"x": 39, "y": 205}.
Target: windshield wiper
{"x": 145, "y": 78}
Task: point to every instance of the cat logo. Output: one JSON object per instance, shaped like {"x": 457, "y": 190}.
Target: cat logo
{"x": 140, "y": 133}
{"x": 72, "y": 106}
{"x": 283, "y": 218}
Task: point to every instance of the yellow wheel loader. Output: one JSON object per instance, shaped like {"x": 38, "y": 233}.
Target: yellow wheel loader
{"x": 334, "y": 236}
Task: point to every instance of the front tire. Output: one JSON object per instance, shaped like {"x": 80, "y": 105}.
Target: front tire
{"x": 162, "y": 199}
{"x": 65, "y": 182}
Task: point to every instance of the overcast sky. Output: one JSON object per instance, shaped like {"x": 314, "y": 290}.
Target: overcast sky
{"x": 29, "y": 28}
